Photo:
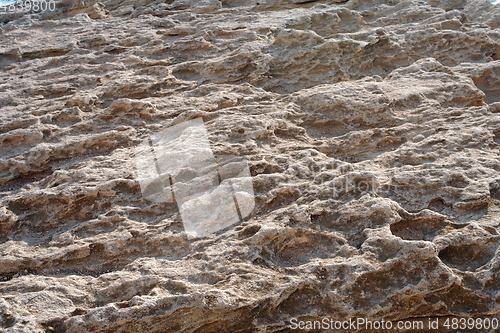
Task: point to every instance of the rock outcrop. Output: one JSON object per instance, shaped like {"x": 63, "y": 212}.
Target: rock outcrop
{"x": 372, "y": 133}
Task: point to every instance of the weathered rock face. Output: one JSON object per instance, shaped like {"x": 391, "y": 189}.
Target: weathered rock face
{"x": 372, "y": 133}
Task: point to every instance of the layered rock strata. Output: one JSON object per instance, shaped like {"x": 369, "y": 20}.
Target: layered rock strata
{"x": 371, "y": 129}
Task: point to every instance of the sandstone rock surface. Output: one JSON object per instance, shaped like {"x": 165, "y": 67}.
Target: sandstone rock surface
{"x": 372, "y": 133}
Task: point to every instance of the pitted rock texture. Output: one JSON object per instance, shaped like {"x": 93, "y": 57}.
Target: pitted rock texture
{"x": 372, "y": 132}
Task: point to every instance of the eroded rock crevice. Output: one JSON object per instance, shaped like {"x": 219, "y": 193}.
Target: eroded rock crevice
{"x": 372, "y": 134}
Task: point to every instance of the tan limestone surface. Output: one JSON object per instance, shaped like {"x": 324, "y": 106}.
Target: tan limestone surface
{"x": 372, "y": 132}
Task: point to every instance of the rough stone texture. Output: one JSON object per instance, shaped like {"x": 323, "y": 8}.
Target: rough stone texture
{"x": 372, "y": 131}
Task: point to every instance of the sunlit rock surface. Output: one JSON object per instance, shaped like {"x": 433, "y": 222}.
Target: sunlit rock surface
{"x": 371, "y": 129}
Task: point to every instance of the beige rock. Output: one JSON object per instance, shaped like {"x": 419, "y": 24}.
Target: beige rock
{"x": 371, "y": 129}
